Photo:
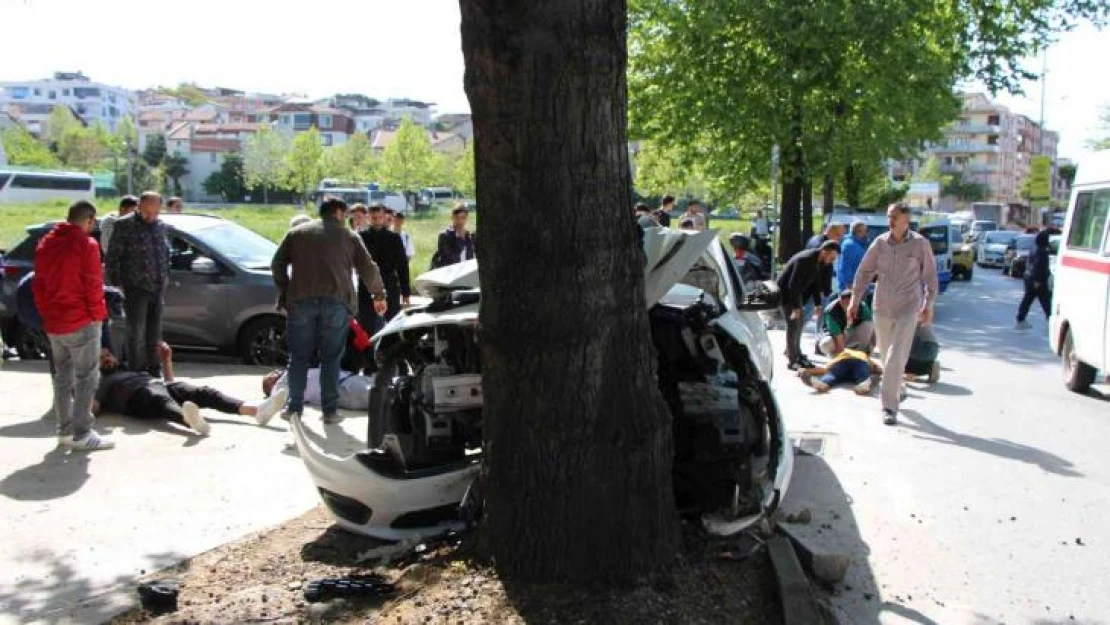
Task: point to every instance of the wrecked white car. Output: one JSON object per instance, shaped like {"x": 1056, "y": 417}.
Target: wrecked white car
{"x": 732, "y": 461}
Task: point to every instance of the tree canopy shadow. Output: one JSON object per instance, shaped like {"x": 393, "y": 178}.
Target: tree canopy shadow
{"x": 59, "y": 474}
{"x": 931, "y": 431}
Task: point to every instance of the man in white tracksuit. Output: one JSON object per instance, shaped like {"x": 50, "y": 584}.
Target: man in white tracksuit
{"x": 906, "y": 271}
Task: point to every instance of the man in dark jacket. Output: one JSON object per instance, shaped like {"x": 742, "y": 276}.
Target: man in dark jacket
{"x": 69, "y": 294}
{"x": 388, "y": 251}
{"x": 455, "y": 243}
{"x": 320, "y": 299}
{"x": 28, "y": 313}
{"x": 801, "y": 280}
{"x": 1036, "y": 281}
{"x": 138, "y": 262}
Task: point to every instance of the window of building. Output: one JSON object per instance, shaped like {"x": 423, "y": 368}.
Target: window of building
{"x": 1088, "y": 223}
{"x": 326, "y": 139}
{"x": 324, "y": 122}
{"x": 286, "y": 119}
{"x": 993, "y": 120}
{"x": 302, "y": 121}
{"x": 53, "y": 95}
{"x": 992, "y": 140}
{"x": 213, "y": 158}
{"x": 38, "y": 91}
{"x": 65, "y": 93}
{"x": 947, "y": 160}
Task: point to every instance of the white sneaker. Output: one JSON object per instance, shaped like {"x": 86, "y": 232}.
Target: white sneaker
{"x": 91, "y": 442}
{"x": 863, "y": 388}
{"x": 270, "y": 406}
{"x": 1023, "y": 325}
{"x": 194, "y": 420}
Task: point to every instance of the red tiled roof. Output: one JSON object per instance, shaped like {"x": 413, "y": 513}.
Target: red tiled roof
{"x": 237, "y": 127}
{"x": 216, "y": 145}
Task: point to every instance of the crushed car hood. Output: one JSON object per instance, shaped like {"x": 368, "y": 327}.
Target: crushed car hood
{"x": 669, "y": 254}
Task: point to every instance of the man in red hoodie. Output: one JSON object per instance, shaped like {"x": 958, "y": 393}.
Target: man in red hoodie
{"x": 69, "y": 294}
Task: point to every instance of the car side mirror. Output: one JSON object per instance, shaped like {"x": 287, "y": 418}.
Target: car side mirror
{"x": 203, "y": 266}
{"x": 763, "y": 296}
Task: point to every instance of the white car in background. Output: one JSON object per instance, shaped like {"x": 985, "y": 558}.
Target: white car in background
{"x": 991, "y": 250}
{"x": 733, "y": 460}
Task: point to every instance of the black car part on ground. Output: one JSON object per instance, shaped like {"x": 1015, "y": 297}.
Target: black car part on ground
{"x": 348, "y": 586}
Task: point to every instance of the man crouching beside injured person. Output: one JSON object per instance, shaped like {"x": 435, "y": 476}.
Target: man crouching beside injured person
{"x": 140, "y": 395}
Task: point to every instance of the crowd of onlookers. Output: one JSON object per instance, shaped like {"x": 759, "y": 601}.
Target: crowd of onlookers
{"x": 76, "y": 279}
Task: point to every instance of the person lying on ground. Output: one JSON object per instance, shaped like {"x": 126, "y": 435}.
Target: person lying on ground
{"x": 923, "y": 355}
{"x": 852, "y": 365}
{"x": 354, "y": 389}
{"x": 138, "y": 394}
{"x": 840, "y": 332}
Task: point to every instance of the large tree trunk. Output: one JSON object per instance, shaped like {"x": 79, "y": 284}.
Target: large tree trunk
{"x": 851, "y": 186}
{"x": 828, "y": 195}
{"x": 578, "y": 440}
{"x": 807, "y": 210}
{"x": 790, "y": 241}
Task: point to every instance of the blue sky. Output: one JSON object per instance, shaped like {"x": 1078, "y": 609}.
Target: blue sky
{"x": 383, "y": 48}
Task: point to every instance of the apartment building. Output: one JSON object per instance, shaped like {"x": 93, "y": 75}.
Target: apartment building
{"x": 334, "y": 125}
{"x": 91, "y": 101}
{"x": 994, "y": 146}
{"x": 206, "y": 146}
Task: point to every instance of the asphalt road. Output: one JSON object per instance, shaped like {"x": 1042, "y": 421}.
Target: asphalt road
{"x": 988, "y": 503}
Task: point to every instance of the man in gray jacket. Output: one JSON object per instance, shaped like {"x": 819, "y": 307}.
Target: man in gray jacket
{"x": 902, "y": 262}
{"x": 319, "y": 298}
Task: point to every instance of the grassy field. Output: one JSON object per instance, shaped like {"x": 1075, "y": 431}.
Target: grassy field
{"x": 270, "y": 221}
{"x": 273, "y": 221}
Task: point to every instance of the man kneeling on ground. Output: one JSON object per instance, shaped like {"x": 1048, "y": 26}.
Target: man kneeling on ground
{"x": 852, "y": 365}
{"x": 138, "y": 394}
{"x": 840, "y": 332}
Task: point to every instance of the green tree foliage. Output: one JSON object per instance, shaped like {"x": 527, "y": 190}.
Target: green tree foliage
{"x": 155, "y": 151}
{"x": 176, "y": 167}
{"x": 264, "y": 160}
{"x": 354, "y": 161}
{"x": 228, "y": 182}
{"x": 304, "y": 164}
{"x": 930, "y": 172}
{"x": 61, "y": 121}
{"x": 24, "y": 149}
{"x": 187, "y": 92}
{"x": 1067, "y": 173}
{"x": 410, "y": 163}
{"x": 833, "y": 84}
{"x": 84, "y": 149}
{"x": 966, "y": 190}
{"x": 463, "y": 175}
{"x": 1102, "y": 143}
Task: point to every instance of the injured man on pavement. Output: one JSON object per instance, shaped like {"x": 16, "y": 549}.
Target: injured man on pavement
{"x": 354, "y": 389}
{"x": 140, "y": 395}
{"x": 852, "y": 365}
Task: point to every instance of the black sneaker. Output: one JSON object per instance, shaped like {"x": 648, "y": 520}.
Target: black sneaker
{"x": 889, "y": 418}
{"x": 806, "y": 363}
{"x": 793, "y": 366}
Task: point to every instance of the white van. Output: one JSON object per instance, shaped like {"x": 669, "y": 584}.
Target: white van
{"x": 1079, "y": 329}
{"x": 25, "y": 186}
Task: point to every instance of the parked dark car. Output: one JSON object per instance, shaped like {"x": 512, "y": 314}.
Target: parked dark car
{"x": 220, "y": 297}
{"x": 1017, "y": 255}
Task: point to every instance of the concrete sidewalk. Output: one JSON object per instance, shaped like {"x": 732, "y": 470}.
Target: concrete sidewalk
{"x": 80, "y": 527}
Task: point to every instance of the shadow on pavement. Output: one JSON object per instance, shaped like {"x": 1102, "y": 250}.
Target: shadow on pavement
{"x": 61, "y": 595}
{"x": 60, "y": 474}
{"x": 338, "y": 547}
{"x": 931, "y": 431}
{"x": 940, "y": 388}
{"x": 833, "y": 529}
{"x": 42, "y": 427}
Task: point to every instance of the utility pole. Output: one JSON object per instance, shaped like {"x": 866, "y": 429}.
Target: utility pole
{"x": 1041, "y": 132}
{"x": 130, "y": 168}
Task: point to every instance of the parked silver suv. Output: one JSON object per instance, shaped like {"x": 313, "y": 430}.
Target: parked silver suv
{"x": 220, "y": 297}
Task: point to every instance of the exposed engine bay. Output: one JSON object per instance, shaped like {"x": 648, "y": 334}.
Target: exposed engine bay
{"x": 426, "y": 405}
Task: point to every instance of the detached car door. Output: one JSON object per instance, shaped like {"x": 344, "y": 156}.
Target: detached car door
{"x": 197, "y": 296}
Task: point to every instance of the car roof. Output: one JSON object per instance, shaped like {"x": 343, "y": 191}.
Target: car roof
{"x": 186, "y": 222}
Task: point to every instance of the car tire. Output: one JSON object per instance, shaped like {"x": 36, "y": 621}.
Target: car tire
{"x": 396, "y": 359}
{"x": 262, "y": 342}
{"x": 1078, "y": 375}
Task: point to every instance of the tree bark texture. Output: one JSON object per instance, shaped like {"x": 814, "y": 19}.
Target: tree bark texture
{"x": 578, "y": 442}
{"x": 790, "y": 241}
{"x": 828, "y": 195}
{"x": 851, "y": 186}
{"x": 807, "y": 210}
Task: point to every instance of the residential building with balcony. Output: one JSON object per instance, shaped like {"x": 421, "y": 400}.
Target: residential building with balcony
{"x": 334, "y": 125}
{"x": 994, "y": 146}
{"x": 404, "y": 108}
{"x": 92, "y": 102}
{"x": 206, "y": 146}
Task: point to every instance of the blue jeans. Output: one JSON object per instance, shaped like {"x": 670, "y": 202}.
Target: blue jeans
{"x": 316, "y": 326}
{"x": 851, "y": 370}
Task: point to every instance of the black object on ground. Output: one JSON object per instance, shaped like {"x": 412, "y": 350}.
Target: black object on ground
{"x": 159, "y": 596}
{"x": 349, "y": 586}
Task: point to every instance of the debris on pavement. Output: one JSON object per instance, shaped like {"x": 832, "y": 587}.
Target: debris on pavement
{"x": 802, "y": 517}
{"x": 159, "y": 596}
{"x": 348, "y": 586}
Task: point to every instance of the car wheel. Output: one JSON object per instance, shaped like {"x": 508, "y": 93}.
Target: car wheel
{"x": 262, "y": 342}
{"x": 399, "y": 359}
{"x": 1078, "y": 375}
